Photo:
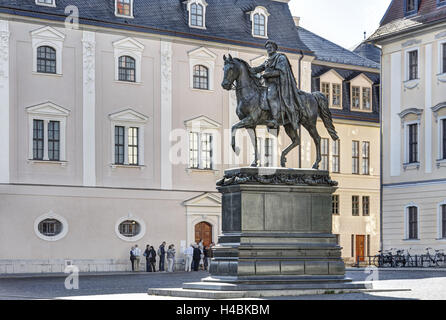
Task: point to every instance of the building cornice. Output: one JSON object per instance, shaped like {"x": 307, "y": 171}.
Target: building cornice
{"x": 345, "y": 66}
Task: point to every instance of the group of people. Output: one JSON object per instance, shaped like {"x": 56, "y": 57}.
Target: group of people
{"x": 198, "y": 256}
{"x": 150, "y": 254}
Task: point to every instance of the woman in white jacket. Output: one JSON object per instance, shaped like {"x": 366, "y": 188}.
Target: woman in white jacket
{"x": 189, "y": 252}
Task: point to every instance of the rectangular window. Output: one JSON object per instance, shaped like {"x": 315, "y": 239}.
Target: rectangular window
{"x": 443, "y": 46}
{"x": 443, "y": 221}
{"x": 38, "y": 139}
{"x": 413, "y": 222}
{"x": 410, "y": 5}
{"x": 119, "y": 144}
{"x": 206, "y": 151}
{"x": 123, "y": 7}
{"x": 443, "y": 138}
{"x": 366, "y": 98}
{"x": 335, "y": 204}
{"x": 356, "y": 97}
{"x": 366, "y": 206}
{"x": 336, "y": 95}
{"x": 366, "y": 158}
{"x": 355, "y": 205}
{"x": 355, "y": 157}
{"x": 336, "y": 156}
{"x": 413, "y": 143}
{"x": 413, "y": 65}
{"x": 193, "y": 150}
{"x": 133, "y": 146}
{"x": 325, "y": 150}
{"x": 54, "y": 140}
{"x": 325, "y": 89}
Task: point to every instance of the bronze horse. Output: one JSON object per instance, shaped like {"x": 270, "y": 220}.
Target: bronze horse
{"x": 249, "y": 91}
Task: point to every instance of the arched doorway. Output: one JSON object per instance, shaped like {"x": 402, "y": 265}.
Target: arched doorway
{"x": 203, "y": 230}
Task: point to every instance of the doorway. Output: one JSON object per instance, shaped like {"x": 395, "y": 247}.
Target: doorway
{"x": 203, "y": 231}
{"x": 360, "y": 248}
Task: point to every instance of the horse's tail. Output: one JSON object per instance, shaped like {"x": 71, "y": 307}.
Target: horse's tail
{"x": 325, "y": 114}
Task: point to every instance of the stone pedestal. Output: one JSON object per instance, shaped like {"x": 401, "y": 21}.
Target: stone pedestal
{"x": 277, "y": 235}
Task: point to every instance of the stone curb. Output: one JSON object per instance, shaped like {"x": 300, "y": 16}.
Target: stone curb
{"x": 398, "y": 269}
{"x": 81, "y": 274}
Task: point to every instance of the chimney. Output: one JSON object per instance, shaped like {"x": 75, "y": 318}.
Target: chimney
{"x": 296, "y": 21}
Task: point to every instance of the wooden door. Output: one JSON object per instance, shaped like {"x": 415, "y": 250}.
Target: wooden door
{"x": 360, "y": 248}
{"x": 203, "y": 231}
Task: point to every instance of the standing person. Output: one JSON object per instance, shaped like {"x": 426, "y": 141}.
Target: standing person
{"x": 132, "y": 258}
{"x": 189, "y": 252}
{"x": 201, "y": 247}
{"x": 210, "y": 254}
{"x": 162, "y": 254}
{"x": 137, "y": 253}
{"x": 152, "y": 258}
{"x": 196, "y": 257}
{"x": 170, "y": 258}
{"x": 147, "y": 255}
{"x": 205, "y": 259}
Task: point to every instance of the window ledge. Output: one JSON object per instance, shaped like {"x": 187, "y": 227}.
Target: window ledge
{"x": 129, "y": 82}
{"x": 124, "y": 16}
{"x": 261, "y": 37}
{"x": 441, "y": 77}
{"x": 441, "y": 239}
{"x": 197, "y": 27}
{"x": 411, "y": 240}
{"x": 441, "y": 163}
{"x": 47, "y": 74}
{"x": 202, "y": 90}
{"x": 411, "y": 166}
{"x": 127, "y": 166}
{"x": 195, "y": 170}
{"x": 411, "y": 84}
{"x": 61, "y": 163}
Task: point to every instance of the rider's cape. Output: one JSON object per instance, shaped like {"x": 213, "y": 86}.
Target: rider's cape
{"x": 289, "y": 94}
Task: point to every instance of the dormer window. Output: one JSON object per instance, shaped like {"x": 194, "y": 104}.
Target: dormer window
{"x": 410, "y": 7}
{"x": 124, "y": 8}
{"x": 259, "y": 20}
{"x": 48, "y": 3}
{"x": 197, "y": 13}
{"x": 441, "y": 3}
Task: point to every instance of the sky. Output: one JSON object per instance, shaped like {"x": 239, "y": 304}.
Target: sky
{"x": 340, "y": 21}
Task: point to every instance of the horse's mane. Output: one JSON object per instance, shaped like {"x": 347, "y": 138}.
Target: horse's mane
{"x": 257, "y": 81}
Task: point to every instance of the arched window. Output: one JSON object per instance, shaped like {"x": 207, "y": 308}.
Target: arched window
{"x": 201, "y": 77}
{"x": 127, "y": 69}
{"x": 129, "y": 228}
{"x": 46, "y": 60}
{"x": 196, "y": 15}
{"x": 50, "y": 227}
{"x": 259, "y": 25}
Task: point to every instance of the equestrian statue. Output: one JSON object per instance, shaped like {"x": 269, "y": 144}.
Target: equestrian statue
{"x": 268, "y": 95}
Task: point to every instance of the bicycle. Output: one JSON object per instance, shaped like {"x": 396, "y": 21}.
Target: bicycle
{"x": 384, "y": 259}
{"x": 428, "y": 260}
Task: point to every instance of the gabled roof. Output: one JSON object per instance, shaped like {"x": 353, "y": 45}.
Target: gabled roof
{"x": 328, "y": 51}
{"x": 227, "y": 21}
{"x": 369, "y": 51}
{"x": 396, "y": 20}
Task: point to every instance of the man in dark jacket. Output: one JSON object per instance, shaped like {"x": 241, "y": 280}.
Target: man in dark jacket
{"x": 162, "y": 254}
{"x": 196, "y": 257}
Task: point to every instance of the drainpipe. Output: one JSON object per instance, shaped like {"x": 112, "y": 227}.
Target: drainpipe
{"x": 300, "y": 127}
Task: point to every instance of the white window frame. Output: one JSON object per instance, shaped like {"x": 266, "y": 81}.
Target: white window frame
{"x": 262, "y": 151}
{"x": 48, "y": 36}
{"x": 204, "y": 4}
{"x": 132, "y": 48}
{"x": 128, "y": 119}
{"x": 204, "y": 57}
{"x": 406, "y": 141}
{"x": 440, "y": 138}
{"x": 410, "y": 84}
{"x": 262, "y": 11}
{"x": 406, "y": 222}
{"x": 48, "y": 112}
{"x": 123, "y": 15}
{"x": 52, "y": 4}
{"x": 440, "y": 57}
{"x": 203, "y": 125}
{"x": 354, "y": 83}
{"x": 131, "y": 217}
{"x": 439, "y": 220}
{"x": 51, "y": 215}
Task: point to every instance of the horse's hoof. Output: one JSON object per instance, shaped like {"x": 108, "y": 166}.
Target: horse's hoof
{"x": 237, "y": 151}
{"x": 316, "y": 167}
